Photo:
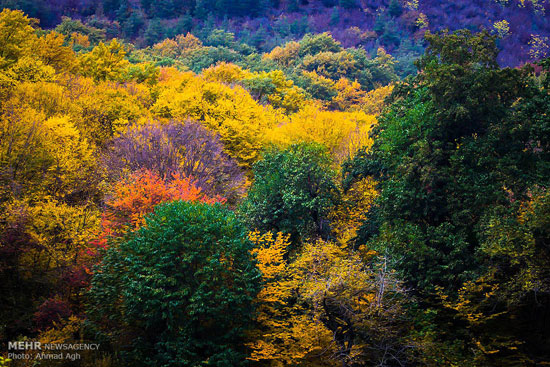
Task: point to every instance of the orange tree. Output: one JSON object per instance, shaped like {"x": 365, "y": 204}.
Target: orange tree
{"x": 138, "y": 195}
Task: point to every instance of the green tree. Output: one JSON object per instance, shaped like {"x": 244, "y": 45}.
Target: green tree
{"x": 293, "y": 191}
{"x": 461, "y": 156}
{"x": 133, "y": 24}
{"x": 69, "y": 26}
{"x": 154, "y": 32}
{"x": 180, "y": 288}
{"x": 220, "y": 38}
{"x": 394, "y": 8}
{"x": 314, "y": 44}
{"x": 511, "y": 299}
{"x": 443, "y": 153}
{"x": 348, "y": 4}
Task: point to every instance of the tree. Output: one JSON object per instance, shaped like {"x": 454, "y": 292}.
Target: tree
{"x": 47, "y": 181}
{"x": 16, "y": 36}
{"x": 180, "y": 288}
{"x": 373, "y": 102}
{"x": 154, "y": 32}
{"x": 133, "y": 24}
{"x": 353, "y": 64}
{"x": 504, "y": 307}
{"x": 204, "y": 57}
{"x": 314, "y": 44}
{"x": 349, "y": 95}
{"x": 318, "y": 86}
{"x": 513, "y": 295}
{"x": 69, "y": 27}
{"x": 434, "y": 154}
{"x": 43, "y": 157}
{"x": 225, "y": 73}
{"x": 185, "y": 148}
{"x": 41, "y": 244}
{"x": 342, "y": 133}
{"x": 293, "y": 191}
{"x": 51, "y": 51}
{"x": 328, "y": 308}
{"x": 286, "y": 55}
{"x": 106, "y": 109}
{"x": 275, "y": 88}
{"x": 352, "y": 210}
{"x": 219, "y": 37}
{"x": 104, "y": 62}
{"x": 230, "y": 111}
{"x": 27, "y": 69}
{"x": 283, "y": 333}
{"x": 137, "y": 196}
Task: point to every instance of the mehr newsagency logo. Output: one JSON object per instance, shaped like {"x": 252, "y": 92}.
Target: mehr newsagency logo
{"x": 37, "y": 350}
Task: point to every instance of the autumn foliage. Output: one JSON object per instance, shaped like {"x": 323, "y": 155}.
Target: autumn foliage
{"x": 190, "y": 199}
{"x": 137, "y": 196}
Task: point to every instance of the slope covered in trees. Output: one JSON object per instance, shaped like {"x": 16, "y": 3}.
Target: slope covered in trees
{"x": 259, "y": 26}
{"x": 199, "y": 201}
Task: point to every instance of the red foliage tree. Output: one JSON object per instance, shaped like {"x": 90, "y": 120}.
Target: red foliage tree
{"x": 137, "y": 196}
{"x": 132, "y": 199}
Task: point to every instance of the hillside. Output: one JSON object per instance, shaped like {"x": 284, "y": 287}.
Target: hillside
{"x": 182, "y": 184}
{"x": 396, "y": 25}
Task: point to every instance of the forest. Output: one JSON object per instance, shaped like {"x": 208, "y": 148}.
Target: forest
{"x": 275, "y": 183}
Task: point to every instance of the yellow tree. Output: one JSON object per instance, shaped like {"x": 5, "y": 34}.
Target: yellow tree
{"x": 43, "y": 157}
{"x": 59, "y": 234}
{"x": 341, "y": 132}
{"x": 47, "y": 177}
{"x": 327, "y": 308}
{"x": 225, "y": 73}
{"x": 29, "y": 69}
{"x": 230, "y": 111}
{"x": 187, "y": 43}
{"x": 286, "y": 55}
{"x": 349, "y": 95}
{"x": 276, "y": 89}
{"x": 166, "y": 48}
{"x": 16, "y": 36}
{"x": 178, "y": 46}
{"x": 103, "y": 109}
{"x": 104, "y": 62}
{"x": 51, "y": 51}
{"x": 350, "y": 214}
{"x": 284, "y": 335}
{"x": 373, "y": 102}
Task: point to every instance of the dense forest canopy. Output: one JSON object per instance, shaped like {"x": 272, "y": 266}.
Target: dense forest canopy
{"x": 275, "y": 183}
{"x": 261, "y": 25}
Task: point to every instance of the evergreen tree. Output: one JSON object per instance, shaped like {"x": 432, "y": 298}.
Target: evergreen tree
{"x": 348, "y": 4}
{"x": 154, "y": 32}
{"x": 395, "y": 9}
